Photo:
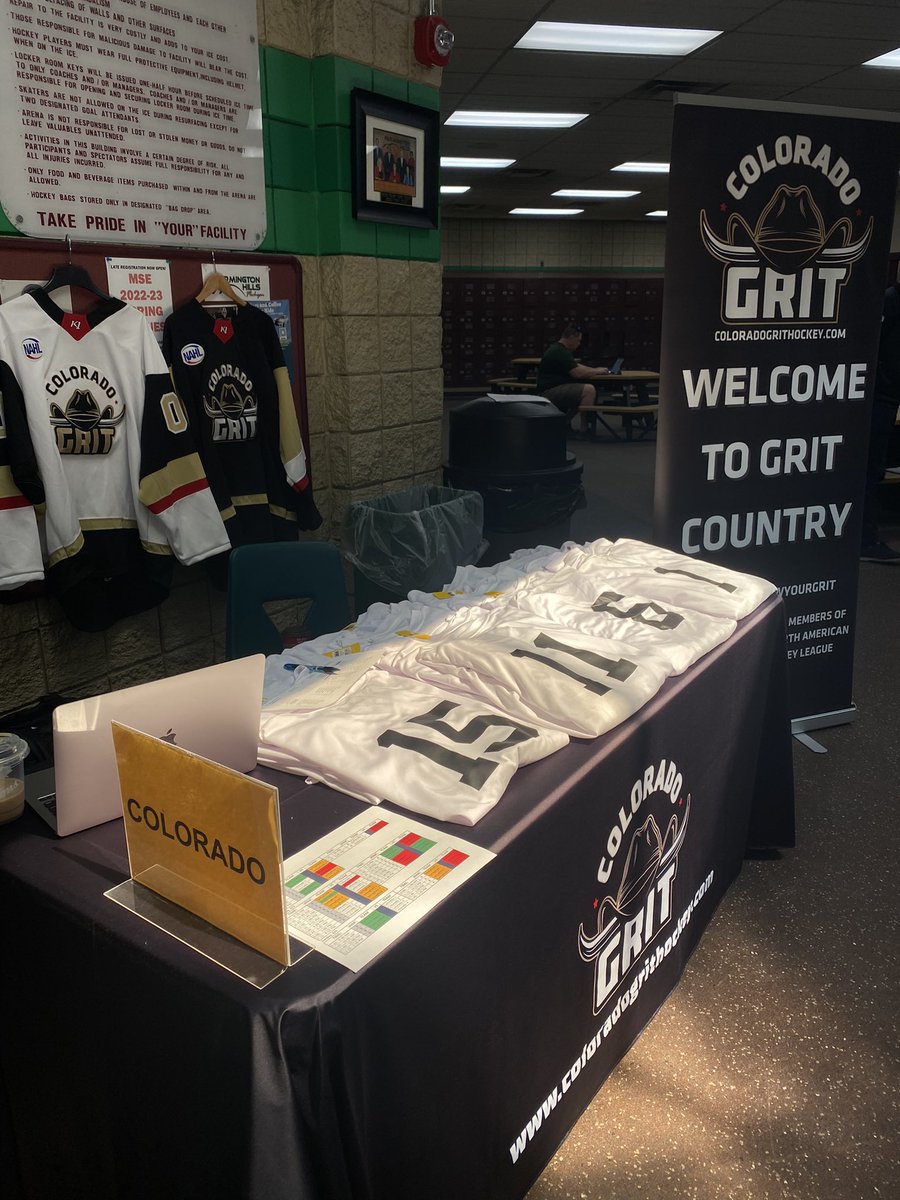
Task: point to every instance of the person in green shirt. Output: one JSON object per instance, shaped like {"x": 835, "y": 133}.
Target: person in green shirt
{"x": 564, "y": 381}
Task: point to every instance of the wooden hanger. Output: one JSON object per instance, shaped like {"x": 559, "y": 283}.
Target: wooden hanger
{"x": 217, "y": 284}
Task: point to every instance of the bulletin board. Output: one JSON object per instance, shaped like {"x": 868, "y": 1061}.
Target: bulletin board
{"x": 33, "y": 260}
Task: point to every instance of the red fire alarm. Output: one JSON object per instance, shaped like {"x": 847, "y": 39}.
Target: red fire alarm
{"x": 433, "y": 39}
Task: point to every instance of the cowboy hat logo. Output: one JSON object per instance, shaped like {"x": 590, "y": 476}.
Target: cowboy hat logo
{"x": 233, "y": 411}
{"x": 788, "y": 267}
{"x": 642, "y": 902}
{"x": 83, "y": 427}
{"x": 789, "y": 235}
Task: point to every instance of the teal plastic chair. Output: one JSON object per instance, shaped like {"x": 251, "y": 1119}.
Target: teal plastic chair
{"x": 282, "y": 571}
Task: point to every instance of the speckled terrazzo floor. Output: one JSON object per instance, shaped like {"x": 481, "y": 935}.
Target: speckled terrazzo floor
{"x": 773, "y": 1070}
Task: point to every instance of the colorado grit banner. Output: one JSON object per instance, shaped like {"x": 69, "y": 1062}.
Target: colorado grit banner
{"x": 778, "y": 235}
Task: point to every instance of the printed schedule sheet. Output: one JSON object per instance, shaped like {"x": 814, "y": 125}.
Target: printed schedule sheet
{"x": 351, "y": 893}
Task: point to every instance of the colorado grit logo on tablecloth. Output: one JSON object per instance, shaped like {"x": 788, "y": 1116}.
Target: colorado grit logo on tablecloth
{"x": 632, "y": 917}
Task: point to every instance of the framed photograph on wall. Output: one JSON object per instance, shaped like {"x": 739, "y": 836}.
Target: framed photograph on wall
{"x": 395, "y": 160}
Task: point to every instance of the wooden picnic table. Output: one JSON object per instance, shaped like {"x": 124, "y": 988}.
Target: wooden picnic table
{"x": 635, "y": 417}
{"x": 512, "y": 385}
{"x": 524, "y": 363}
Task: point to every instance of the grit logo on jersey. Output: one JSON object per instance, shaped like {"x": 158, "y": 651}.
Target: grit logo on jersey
{"x": 787, "y": 265}
{"x": 631, "y": 918}
{"x": 193, "y": 354}
{"x": 231, "y": 405}
{"x": 83, "y": 427}
{"x": 32, "y": 348}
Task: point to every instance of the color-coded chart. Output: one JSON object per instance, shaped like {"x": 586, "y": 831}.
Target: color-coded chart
{"x": 313, "y": 877}
{"x": 408, "y": 849}
{"x": 350, "y": 894}
{"x": 453, "y": 858}
{"x": 362, "y": 892}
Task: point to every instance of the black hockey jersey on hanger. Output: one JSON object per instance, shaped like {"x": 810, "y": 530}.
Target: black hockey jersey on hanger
{"x": 100, "y": 482}
{"x": 231, "y": 375}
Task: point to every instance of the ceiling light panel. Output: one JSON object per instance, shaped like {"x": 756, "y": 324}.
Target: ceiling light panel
{"x": 891, "y": 59}
{"x": 452, "y": 189}
{"x": 495, "y": 164}
{"x": 514, "y": 120}
{"x": 613, "y": 39}
{"x": 545, "y": 212}
{"x": 595, "y": 193}
{"x": 645, "y": 168}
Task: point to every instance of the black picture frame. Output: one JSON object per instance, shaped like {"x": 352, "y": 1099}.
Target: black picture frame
{"x": 395, "y": 160}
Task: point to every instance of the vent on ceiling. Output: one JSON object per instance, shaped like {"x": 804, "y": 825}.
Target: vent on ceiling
{"x": 665, "y": 87}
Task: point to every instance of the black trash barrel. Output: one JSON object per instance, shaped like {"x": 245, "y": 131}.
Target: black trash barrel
{"x": 512, "y": 451}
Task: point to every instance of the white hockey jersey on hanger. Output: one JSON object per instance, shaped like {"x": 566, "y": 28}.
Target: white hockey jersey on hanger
{"x": 99, "y": 474}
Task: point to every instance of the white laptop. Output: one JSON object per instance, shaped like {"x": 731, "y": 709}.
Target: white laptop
{"x": 213, "y": 712}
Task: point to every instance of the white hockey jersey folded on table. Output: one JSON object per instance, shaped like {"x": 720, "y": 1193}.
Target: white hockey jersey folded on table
{"x": 537, "y": 671}
{"x": 397, "y": 739}
{"x": 379, "y": 625}
{"x": 500, "y": 576}
{"x": 677, "y": 636}
{"x": 418, "y": 615}
{"x": 446, "y": 601}
{"x": 289, "y": 677}
{"x": 677, "y": 579}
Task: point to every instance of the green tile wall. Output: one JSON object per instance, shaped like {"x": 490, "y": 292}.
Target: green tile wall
{"x": 296, "y": 221}
{"x": 425, "y": 244}
{"x": 333, "y": 172}
{"x": 392, "y": 241}
{"x": 390, "y": 85}
{"x": 333, "y": 81}
{"x": 421, "y": 93}
{"x": 288, "y": 91}
{"x": 290, "y": 156}
{"x": 6, "y": 226}
{"x": 339, "y": 233}
{"x": 269, "y": 244}
{"x": 306, "y": 127}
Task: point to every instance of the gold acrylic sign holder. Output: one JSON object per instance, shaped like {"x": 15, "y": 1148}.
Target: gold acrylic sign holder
{"x": 204, "y": 848}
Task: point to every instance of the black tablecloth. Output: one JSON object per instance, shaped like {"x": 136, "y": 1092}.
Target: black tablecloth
{"x": 454, "y": 1064}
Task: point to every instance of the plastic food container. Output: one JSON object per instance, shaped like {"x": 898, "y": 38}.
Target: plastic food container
{"x": 13, "y": 752}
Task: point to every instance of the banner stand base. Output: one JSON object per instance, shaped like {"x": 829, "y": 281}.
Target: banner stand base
{"x": 800, "y": 726}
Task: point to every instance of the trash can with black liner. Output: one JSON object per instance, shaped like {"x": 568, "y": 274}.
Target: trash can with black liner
{"x": 413, "y": 539}
{"x": 512, "y": 451}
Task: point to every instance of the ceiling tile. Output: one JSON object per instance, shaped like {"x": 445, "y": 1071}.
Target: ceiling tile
{"x": 793, "y": 51}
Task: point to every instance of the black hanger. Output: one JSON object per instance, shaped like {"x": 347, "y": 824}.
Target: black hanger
{"x": 70, "y": 275}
